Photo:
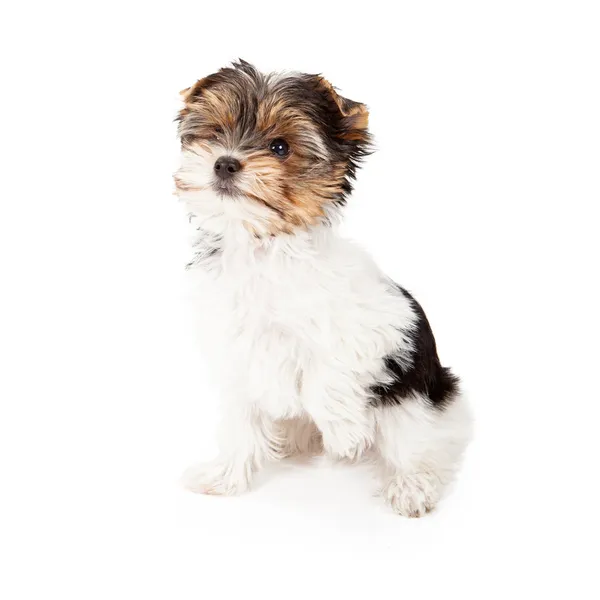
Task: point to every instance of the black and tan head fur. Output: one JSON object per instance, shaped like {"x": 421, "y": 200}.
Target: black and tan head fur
{"x": 238, "y": 112}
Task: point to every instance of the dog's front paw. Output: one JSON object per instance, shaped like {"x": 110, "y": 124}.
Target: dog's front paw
{"x": 346, "y": 440}
{"x": 218, "y": 478}
{"x": 411, "y": 495}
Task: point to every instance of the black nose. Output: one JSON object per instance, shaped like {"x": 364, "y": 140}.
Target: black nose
{"x": 227, "y": 167}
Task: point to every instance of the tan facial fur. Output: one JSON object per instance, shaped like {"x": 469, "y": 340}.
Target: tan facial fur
{"x": 238, "y": 112}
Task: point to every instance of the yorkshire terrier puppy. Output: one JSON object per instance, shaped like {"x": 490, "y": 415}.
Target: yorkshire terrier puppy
{"x": 318, "y": 349}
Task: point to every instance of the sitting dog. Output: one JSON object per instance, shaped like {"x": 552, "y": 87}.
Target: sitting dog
{"x": 318, "y": 350}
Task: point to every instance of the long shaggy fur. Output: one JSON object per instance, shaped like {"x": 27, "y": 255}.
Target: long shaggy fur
{"x": 316, "y": 348}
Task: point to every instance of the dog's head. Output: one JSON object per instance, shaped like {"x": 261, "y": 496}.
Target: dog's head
{"x": 274, "y": 152}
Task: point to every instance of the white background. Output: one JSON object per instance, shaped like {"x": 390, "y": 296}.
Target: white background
{"x": 482, "y": 200}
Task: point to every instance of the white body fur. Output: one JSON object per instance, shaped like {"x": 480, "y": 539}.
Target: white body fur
{"x": 303, "y": 322}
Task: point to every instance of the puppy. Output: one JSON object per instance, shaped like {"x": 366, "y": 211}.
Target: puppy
{"x": 317, "y": 348}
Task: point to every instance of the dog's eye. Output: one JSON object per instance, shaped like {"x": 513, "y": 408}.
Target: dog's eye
{"x": 279, "y": 147}
{"x": 219, "y": 130}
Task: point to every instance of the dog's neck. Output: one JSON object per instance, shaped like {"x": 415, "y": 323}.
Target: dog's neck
{"x": 239, "y": 240}
{"x": 236, "y": 248}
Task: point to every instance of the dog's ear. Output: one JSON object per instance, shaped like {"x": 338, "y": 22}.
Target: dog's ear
{"x": 353, "y": 116}
{"x": 194, "y": 91}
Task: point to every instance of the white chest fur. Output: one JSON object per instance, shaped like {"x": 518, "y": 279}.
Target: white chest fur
{"x": 293, "y": 312}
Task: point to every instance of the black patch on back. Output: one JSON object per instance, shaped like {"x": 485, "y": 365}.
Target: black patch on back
{"x": 425, "y": 375}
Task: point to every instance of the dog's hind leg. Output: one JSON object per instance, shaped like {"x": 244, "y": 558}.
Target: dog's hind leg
{"x": 419, "y": 449}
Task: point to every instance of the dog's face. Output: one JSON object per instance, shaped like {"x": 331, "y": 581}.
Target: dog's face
{"x": 273, "y": 152}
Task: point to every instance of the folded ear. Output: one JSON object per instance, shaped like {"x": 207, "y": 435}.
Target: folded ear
{"x": 354, "y": 115}
{"x": 190, "y": 93}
